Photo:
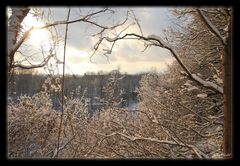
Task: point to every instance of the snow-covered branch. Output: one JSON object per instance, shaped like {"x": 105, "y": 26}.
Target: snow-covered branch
{"x": 211, "y": 27}
{"x": 159, "y": 39}
{"x": 163, "y": 44}
{"x": 199, "y": 153}
{"x": 208, "y": 84}
{"x": 136, "y": 138}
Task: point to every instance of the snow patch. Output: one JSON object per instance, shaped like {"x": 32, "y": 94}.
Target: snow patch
{"x": 111, "y": 39}
{"x": 202, "y": 95}
{"x": 188, "y": 83}
{"x": 192, "y": 88}
{"x": 158, "y": 38}
{"x": 107, "y": 51}
{"x": 217, "y": 79}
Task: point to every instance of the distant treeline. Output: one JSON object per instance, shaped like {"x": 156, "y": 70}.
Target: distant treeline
{"x": 92, "y": 84}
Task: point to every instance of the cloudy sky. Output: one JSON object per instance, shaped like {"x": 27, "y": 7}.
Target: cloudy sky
{"x": 127, "y": 54}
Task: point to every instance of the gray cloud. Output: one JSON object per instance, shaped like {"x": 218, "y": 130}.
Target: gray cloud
{"x": 152, "y": 20}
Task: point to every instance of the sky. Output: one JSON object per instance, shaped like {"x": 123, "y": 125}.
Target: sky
{"x": 127, "y": 55}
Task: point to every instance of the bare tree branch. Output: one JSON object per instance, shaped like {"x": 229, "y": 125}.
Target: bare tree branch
{"x": 199, "y": 153}
{"x": 157, "y": 41}
{"x": 12, "y": 49}
{"x": 56, "y": 151}
{"x": 211, "y": 27}
{"x": 42, "y": 64}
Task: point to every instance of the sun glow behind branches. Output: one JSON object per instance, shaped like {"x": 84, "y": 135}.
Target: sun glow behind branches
{"x": 126, "y": 54}
{"x": 39, "y": 43}
{"x": 37, "y": 36}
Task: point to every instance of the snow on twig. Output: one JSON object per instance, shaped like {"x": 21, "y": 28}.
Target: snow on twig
{"x": 159, "y": 39}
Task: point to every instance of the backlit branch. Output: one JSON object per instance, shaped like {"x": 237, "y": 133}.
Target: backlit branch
{"x": 32, "y": 66}
{"x": 157, "y": 41}
{"x": 86, "y": 19}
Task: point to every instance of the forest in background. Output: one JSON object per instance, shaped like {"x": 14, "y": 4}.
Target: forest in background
{"x": 91, "y": 85}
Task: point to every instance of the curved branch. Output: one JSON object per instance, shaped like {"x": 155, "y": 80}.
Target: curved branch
{"x": 157, "y": 41}
{"x": 42, "y": 64}
{"x": 84, "y": 19}
{"x": 211, "y": 27}
{"x": 73, "y": 21}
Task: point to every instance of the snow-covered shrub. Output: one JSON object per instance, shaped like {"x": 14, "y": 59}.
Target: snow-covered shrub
{"x": 173, "y": 112}
{"x": 33, "y": 127}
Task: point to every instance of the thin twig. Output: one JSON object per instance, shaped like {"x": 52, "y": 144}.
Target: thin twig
{"x": 55, "y": 154}
{"x": 64, "y": 55}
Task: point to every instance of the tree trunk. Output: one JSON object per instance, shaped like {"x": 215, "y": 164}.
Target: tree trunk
{"x": 227, "y": 79}
{"x": 14, "y": 27}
